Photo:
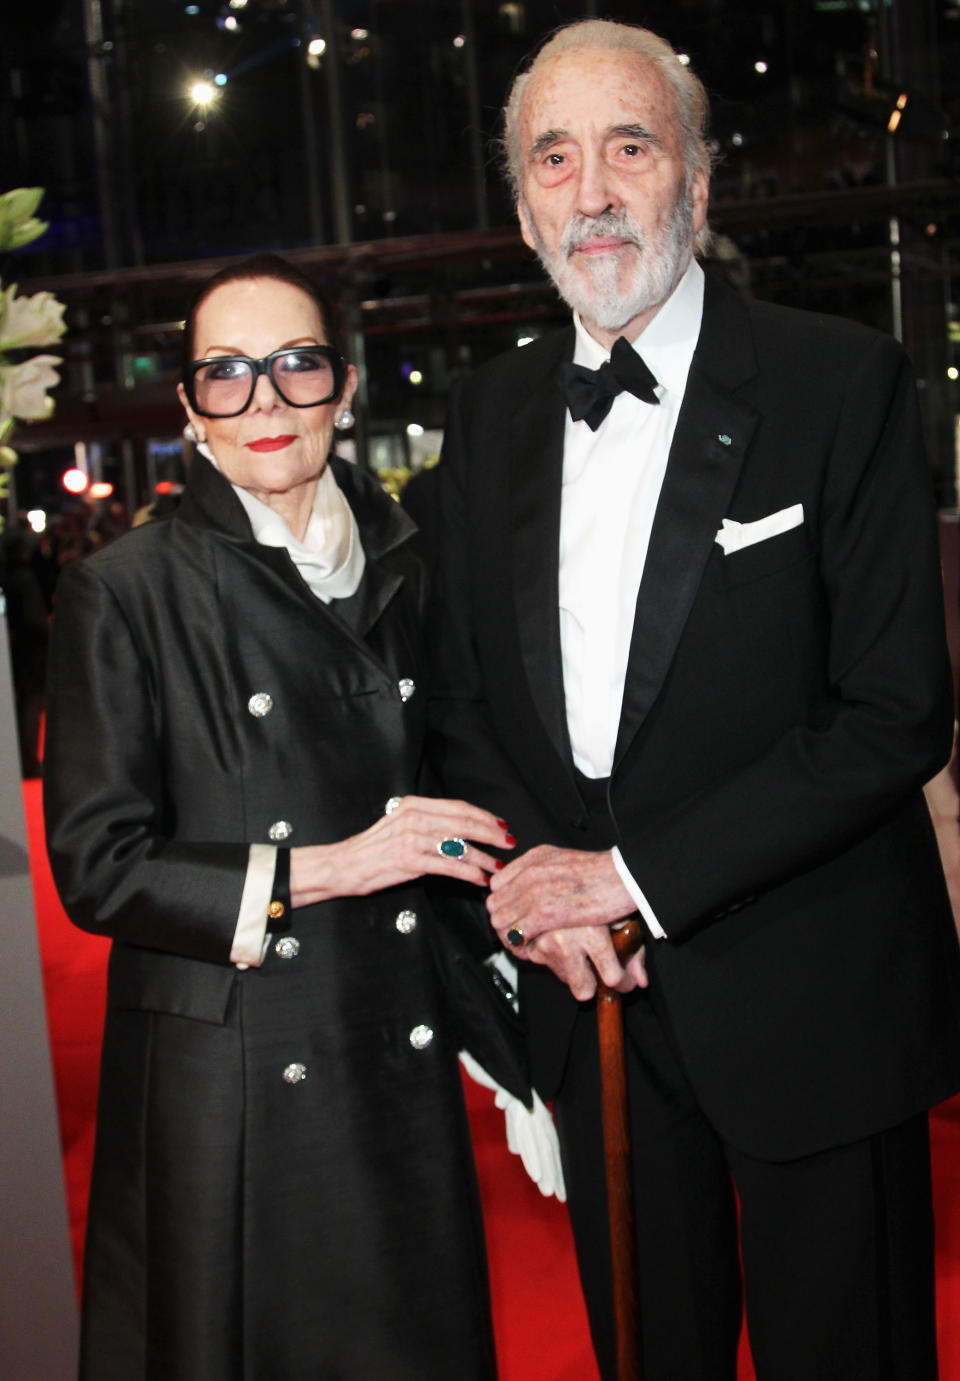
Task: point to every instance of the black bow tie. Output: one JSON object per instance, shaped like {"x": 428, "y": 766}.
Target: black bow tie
{"x": 590, "y": 392}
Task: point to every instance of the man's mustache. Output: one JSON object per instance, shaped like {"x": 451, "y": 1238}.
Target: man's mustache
{"x": 612, "y": 223}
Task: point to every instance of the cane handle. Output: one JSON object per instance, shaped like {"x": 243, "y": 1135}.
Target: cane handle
{"x": 627, "y": 939}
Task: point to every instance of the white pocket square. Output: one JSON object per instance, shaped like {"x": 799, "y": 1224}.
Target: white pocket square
{"x": 734, "y": 536}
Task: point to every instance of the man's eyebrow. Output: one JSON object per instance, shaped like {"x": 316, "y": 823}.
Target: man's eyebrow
{"x": 543, "y": 142}
{"x": 555, "y": 136}
{"x": 640, "y": 132}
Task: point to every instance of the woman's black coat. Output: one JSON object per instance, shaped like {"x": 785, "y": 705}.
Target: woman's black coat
{"x": 283, "y": 1187}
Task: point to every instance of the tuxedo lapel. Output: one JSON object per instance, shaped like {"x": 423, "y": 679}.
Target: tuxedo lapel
{"x": 713, "y": 433}
{"x": 536, "y": 474}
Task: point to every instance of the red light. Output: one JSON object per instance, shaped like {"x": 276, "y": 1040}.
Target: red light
{"x": 164, "y": 487}
{"x": 74, "y": 481}
{"x": 101, "y": 489}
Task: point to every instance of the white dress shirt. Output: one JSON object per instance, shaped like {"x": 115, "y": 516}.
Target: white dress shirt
{"x": 611, "y": 486}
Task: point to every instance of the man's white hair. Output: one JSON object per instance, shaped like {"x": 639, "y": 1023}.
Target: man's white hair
{"x": 691, "y": 111}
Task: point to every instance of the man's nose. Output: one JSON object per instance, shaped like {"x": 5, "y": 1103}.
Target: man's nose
{"x": 597, "y": 191}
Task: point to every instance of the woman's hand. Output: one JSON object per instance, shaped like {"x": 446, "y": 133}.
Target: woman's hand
{"x": 401, "y": 846}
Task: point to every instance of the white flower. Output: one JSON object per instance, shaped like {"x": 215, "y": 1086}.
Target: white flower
{"x": 18, "y": 225}
{"x": 36, "y": 320}
{"x": 23, "y": 387}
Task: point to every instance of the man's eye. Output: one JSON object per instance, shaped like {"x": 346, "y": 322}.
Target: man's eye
{"x": 555, "y": 159}
{"x": 632, "y": 149}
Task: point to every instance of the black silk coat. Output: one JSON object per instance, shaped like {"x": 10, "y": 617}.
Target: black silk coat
{"x": 283, "y": 1186}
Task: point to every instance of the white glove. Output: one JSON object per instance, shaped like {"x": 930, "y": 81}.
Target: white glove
{"x": 531, "y": 1135}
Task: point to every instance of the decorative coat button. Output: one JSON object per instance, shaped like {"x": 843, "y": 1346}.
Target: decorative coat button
{"x": 275, "y": 910}
{"x": 421, "y": 1036}
{"x": 288, "y": 947}
{"x": 406, "y": 687}
{"x": 260, "y": 704}
{"x": 295, "y": 1073}
{"x": 406, "y": 922}
{"x": 280, "y": 830}
{"x": 392, "y": 804}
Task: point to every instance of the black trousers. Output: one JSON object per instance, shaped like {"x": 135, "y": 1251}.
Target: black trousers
{"x": 837, "y": 1248}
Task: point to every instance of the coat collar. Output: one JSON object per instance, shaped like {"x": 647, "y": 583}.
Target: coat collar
{"x": 209, "y": 502}
{"x": 713, "y": 432}
{"x": 536, "y": 476}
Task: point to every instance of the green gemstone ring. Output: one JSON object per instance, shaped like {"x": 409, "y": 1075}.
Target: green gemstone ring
{"x": 452, "y": 848}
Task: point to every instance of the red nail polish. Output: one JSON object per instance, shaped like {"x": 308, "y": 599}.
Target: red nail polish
{"x": 510, "y": 840}
{"x": 503, "y": 824}
{"x": 499, "y": 864}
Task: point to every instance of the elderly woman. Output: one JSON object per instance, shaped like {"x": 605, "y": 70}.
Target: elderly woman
{"x": 283, "y": 1187}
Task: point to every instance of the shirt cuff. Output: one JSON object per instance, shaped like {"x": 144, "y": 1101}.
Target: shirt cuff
{"x": 642, "y": 905}
{"x": 250, "y": 938}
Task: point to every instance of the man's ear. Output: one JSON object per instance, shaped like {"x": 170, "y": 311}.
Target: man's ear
{"x": 699, "y": 197}
{"x": 525, "y": 230}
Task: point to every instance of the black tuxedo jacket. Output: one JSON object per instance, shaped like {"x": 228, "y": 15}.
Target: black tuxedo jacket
{"x": 784, "y": 704}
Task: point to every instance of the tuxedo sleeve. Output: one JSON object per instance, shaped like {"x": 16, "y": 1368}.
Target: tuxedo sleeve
{"x": 117, "y": 867}
{"x": 882, "y": 723}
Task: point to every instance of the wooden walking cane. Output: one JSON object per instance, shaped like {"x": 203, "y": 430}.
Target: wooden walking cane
{"x": 627, "y": 939}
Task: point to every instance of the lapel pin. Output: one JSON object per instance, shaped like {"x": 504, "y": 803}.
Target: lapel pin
{"x": 724, "y": 439}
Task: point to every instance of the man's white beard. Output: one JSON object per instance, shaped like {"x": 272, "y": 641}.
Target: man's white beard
{"x": 593, "y": 287}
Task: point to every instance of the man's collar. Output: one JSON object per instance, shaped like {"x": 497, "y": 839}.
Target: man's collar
{"x": 668, "y": 342}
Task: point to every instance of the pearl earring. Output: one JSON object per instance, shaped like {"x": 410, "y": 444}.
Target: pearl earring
{"x": 345, "y": 420}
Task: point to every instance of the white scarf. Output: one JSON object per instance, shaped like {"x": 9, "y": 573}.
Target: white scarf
{"x": 330, "y": 558}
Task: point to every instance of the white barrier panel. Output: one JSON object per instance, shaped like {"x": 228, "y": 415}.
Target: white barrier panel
{"x": 38, "y": 1300}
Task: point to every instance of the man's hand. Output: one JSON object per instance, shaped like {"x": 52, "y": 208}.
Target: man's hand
{"x": 579, "y": 954}
{"x": 564, "y": 901}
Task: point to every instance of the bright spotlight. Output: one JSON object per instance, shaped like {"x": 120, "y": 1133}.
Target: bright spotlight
{"x": 232, "y": 23}
{"x": 415, "y": 376}
{"x": 760, "y": 67}
{"x": 459, "y": 41}
{"x": 524, "y": 340}
{"x": 37, "y": 519}
{"x": 414, "y": 429}
{"x": 952, "y": 373}
{"x": 202, "y": 93}
{"x": 74, "y": 481}
{"x": 317, "y": 47}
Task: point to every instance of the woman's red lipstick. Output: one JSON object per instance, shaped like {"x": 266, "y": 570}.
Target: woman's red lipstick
{"x": 270, "y": 443}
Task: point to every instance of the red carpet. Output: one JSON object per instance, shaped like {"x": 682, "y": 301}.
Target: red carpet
{"x": 539, "y": 1316}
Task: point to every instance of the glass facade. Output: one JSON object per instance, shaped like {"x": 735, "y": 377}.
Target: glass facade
{"x": 360, "y": 136}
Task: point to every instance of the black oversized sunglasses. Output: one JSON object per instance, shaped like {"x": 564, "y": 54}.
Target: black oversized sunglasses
{"x": 304, "y": 377}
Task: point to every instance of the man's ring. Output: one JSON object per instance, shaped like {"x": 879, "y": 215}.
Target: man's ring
{"x": 452, "y": 848}
{"x": 515, "y": 936}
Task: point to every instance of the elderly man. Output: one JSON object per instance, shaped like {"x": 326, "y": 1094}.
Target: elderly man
{"x": 690, "y": 645}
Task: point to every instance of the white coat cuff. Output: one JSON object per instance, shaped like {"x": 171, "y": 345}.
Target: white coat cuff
{"x": 640, "y": 901}
{"x": 250, "y": 937}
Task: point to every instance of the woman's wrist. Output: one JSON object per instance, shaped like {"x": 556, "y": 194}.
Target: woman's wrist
{"x": 312, "y": 876}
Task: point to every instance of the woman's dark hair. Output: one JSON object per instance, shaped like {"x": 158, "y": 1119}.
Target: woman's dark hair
{"x": 264, "y": 266}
